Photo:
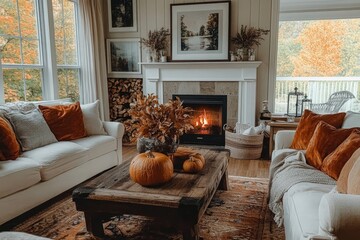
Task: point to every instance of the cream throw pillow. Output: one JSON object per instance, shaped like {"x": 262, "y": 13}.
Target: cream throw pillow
{"x": 92, "y": 121}
{"x": 342, "y": 182}
{"x": 352, "y": 119}
{"x": 353, "y": 182}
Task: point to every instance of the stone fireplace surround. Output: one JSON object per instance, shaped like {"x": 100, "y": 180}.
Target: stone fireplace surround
{"x": 237, "y": 80}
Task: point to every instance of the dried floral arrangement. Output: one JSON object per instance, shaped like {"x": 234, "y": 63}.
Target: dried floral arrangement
{"x": 165, "y": 122}
{"x": 157, "y": 40}
{"x": 248, "y": 37}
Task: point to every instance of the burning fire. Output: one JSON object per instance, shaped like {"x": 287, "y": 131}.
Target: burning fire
{"x": 203, "y": 120}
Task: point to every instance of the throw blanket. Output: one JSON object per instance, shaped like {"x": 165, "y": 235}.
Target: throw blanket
{"x": 286, "y": 170}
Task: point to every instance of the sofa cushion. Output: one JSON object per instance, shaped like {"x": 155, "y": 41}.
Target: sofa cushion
{"x": 65, "y": 121}
{"x": 352, "y": 119}
{"x": 31, "y": 129}
{"x": 18, "y": 175}
{"x": 92, "y": 121}
{"x": 307, "y": 125}
{"x": 97, "y": 144}
{"x": 301, "y": 204}
{"x": 58, "y": 157}
{"x": 336, "y": 160}
{"x": 342, "y": 182}
{"x": 9, "y": 146}
{"x": 325, "y": 140}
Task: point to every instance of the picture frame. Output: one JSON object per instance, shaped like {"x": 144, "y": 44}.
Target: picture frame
{"x": 122, "y": 15}
{"x": 200, "y": 31}
{"x": 123, "y": 56}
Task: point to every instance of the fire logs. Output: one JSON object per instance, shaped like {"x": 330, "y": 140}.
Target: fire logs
{"x": 122, "y": 92}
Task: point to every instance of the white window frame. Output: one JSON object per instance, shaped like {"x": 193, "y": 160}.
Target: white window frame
{"x": 300, "y": 10}
{"x": 47, "y": 52}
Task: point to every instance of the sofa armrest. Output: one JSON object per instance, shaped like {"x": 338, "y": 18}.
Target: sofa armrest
{"x": 116, "y": 130}
{"x": 339, "y": 216}
{"x": 283, "y": 139}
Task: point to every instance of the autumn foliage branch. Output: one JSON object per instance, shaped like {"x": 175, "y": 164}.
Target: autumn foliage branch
{"x": 165, "y": 122}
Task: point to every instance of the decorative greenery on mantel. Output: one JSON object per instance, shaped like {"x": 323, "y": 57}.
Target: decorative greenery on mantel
{"x": 248, "y": 37}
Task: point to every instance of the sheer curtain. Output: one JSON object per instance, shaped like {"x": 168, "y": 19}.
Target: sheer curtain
{"x": 92, "y": 55}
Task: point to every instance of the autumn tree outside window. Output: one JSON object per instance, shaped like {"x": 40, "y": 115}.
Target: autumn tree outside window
{"x": 319, "y": 57}
{"x": 38, "y": 50}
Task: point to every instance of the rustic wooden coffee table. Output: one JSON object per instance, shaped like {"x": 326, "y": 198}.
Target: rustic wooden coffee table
{"x": 182, "y": 201}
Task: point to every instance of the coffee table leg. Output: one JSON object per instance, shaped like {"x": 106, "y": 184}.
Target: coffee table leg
{"x": 191, "y": 232}
{"x": 224, "y": 182}
{"x": 94, "y": 224}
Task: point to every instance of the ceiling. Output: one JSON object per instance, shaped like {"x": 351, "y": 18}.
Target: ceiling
{"x": 312, "y": 5}
{"x": 318, "y": 9}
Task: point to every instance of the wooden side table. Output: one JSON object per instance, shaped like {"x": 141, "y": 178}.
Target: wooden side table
{"x": 277, "y": 126}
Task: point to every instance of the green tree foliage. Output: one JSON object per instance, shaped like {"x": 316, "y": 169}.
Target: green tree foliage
{"x": 212, "y": 28}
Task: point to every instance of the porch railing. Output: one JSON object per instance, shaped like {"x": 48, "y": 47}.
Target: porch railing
{"x": 316, "y": 88}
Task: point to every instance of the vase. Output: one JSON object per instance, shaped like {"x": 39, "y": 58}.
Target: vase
{"x": 242, "y": 54}
{"x": 155, "y": 56}
{"x": 154, "y": 145}
{"x": 251, "y": 54}
{"x": 149, "y": 56}
{"x": 163, "y": 59}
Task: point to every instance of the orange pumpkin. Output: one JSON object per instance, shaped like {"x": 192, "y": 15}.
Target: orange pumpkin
{"x": 200, "y": 157}
{"x": 151, "y": 169}
{"x": 193, "y": 165}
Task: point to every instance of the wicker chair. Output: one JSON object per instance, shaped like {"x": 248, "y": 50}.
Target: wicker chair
{"x": 335, "y": 102}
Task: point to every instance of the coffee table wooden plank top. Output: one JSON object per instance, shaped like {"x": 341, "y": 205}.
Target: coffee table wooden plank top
{"x": 182, "y": 200}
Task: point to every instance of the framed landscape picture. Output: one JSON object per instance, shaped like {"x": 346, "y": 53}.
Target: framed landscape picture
{"x": 123, "y": 56}
{"x": 200, "y": 31}
{"x": 122, "y": 15}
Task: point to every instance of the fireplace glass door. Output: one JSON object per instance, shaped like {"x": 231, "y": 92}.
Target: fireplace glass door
{"x": 209, "y": 119}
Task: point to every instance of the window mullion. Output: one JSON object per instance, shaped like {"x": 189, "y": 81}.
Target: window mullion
{"x": 50, "y": 83}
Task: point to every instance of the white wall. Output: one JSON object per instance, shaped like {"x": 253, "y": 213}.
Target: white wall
{"x": 154, "y": 14}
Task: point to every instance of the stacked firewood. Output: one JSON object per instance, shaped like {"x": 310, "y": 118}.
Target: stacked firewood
{"x": 122, "y": 92}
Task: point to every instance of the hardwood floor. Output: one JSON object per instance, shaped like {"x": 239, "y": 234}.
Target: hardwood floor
{"x": 237, "y": 167}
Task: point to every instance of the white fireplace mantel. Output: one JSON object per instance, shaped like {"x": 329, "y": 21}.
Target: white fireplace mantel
{"x": 155, "y": 74}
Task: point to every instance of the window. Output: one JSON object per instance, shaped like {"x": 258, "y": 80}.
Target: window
{"x": 66, "y": 49}
{"x": 319, "y": 57}
{"x": 29, "y": 32}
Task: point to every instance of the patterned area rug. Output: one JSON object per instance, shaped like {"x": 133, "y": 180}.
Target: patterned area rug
{"x": 240, "y": 213}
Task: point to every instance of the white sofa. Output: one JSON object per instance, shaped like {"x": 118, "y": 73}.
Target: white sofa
{"x": 317, "y": 211}
{"x": 43, "y": 173}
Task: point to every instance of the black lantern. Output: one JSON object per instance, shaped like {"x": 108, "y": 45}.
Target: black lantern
{"x": 305, "y": 103}
{"x": 294, "y": 103}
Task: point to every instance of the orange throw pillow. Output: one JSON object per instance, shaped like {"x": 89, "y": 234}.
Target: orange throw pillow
{"x": 325, "y": 140}
{"x": 335, "y": 161}
{"x": 65, "y": 121}
{"x": 307, "y": 125}
{"x": 9, "y": 146}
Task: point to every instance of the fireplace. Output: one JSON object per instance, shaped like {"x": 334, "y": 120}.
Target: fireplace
{"x": 209, "y": 119}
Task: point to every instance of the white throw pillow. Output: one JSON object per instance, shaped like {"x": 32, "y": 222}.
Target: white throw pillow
{"x": 92, "y": 121}
{"x": 352, "y": 119}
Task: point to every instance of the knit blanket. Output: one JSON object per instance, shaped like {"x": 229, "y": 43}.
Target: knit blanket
{"x": 287, "y": 169}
